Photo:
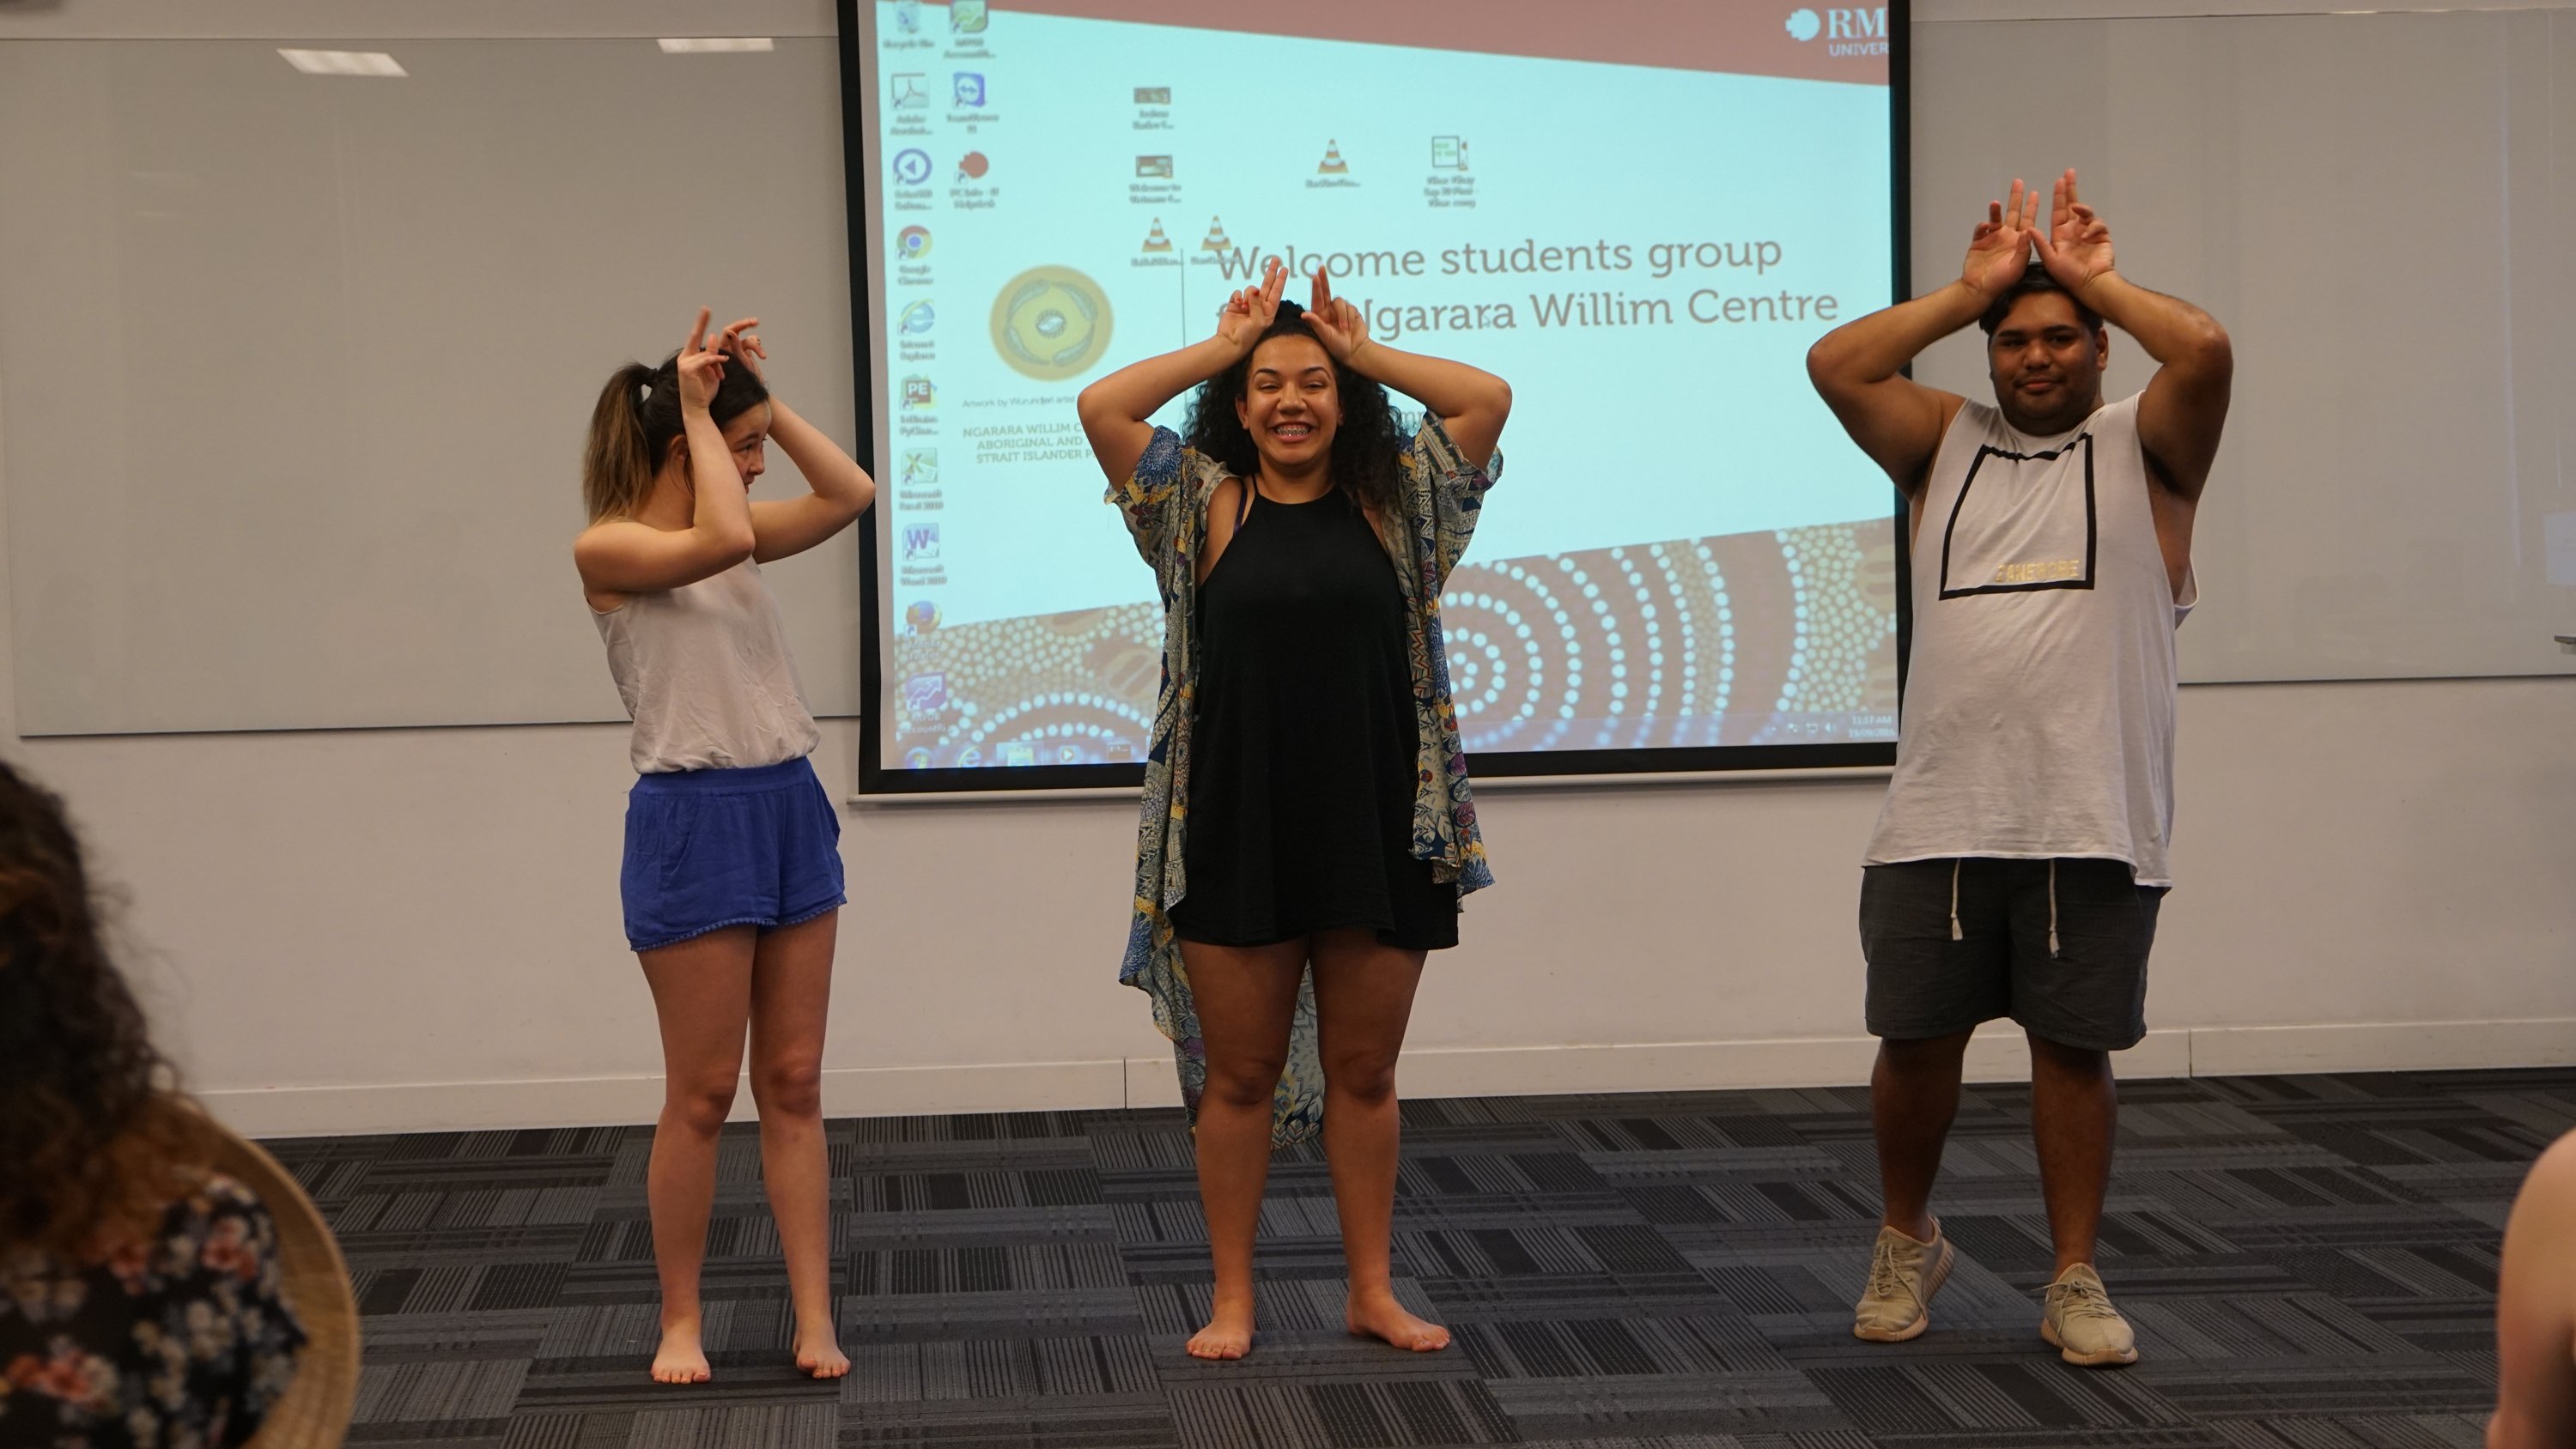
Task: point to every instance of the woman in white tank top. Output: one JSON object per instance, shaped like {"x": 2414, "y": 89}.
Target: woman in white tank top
{"x": 732, "y": 879}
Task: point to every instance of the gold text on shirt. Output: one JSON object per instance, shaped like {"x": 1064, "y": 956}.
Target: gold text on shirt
{"x": 2044, "y": 571}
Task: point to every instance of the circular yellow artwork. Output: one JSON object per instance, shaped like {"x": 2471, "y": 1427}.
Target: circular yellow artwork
{"x": 1051, "y": 322}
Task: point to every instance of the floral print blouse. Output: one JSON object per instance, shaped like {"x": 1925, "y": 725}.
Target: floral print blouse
{"x": 179, "y": 1343}
{"x": 1165, "y": 505}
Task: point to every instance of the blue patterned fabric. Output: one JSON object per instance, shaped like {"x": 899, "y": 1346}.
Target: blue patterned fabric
{"x": 1165, "y": 504}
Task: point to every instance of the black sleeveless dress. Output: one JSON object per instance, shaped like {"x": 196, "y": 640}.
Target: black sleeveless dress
{"x": 1303, "y": 765}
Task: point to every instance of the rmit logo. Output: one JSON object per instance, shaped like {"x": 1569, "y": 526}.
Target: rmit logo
{"x": 1842, "y": 22}
{"x": 1851, "y": 23}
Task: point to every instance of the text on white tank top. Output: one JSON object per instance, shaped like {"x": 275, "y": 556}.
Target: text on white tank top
{"x": 706, "y": 676}
{"x": 2038, "y": 717}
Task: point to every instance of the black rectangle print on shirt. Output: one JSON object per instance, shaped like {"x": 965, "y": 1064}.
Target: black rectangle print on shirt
{"x": 2023, "y": 521}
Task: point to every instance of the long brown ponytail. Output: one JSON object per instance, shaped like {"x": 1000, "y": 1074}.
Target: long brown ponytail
{"x": 634, "y": 424}
{"x": 616, "y": 467}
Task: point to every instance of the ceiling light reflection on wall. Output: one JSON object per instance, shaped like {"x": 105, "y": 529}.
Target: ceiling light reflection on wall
{"x": 343, "y": 62}
{"x": 716, "y": 45}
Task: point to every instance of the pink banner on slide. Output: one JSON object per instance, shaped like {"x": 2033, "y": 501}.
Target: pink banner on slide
{"x": 1742, "y": 37}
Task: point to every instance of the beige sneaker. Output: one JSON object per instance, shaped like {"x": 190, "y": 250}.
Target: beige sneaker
{"x": 2081, "y": 1322}
{"x": 1903, "y": 1276}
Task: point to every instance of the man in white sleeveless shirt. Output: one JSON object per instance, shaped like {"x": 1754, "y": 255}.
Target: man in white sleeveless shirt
{"x": 2020, "y": 858}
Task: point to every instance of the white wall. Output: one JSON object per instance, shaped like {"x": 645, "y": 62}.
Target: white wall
{"x": 390, "y": 930}
{"x": 407, "y": 929}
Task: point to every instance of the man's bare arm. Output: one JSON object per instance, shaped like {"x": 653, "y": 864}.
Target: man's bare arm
{"x": 2185, "y": 406}
{"x": 1858, "y": 367}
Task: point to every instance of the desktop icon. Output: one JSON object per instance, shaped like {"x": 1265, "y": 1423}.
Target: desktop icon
{"x": 917, "y": 319}
{"x": 972, "y": 166}
{"x": 917, "y": 392}
{"x": 907, "y": 17}
{"x": 919, "y": 468}
{"x": 920, "y": 542}
{"x": 1448, "y": 153}
{"x": 1050, "y": 323}
{"x": 970, "y": 89}
{"x": 925, "y": 693}
{"x": 1153, "y": 95}
{"x": 913, "y": 243}
{"x": 966, "y": 17}
{"x": 1156, "y": 244}
{"x": 1154, "y": 167}
{"x": 1215, "y": 241}
{"x": 911, "y": 166}
{"x": 911, "y": 90}
{"x": 1332, "y": 164}
{"x": 921, "y": 615}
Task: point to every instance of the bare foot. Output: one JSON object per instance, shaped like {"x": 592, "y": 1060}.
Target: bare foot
{"x": 680, "y": 1360}
{"x": 1378, "y": 1315}
{"x": 1228, "y": 1333}
{"x": 818, "y": 1352}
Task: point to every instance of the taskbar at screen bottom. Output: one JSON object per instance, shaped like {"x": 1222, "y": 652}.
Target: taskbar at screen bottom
{"x": 1607, "y": 765}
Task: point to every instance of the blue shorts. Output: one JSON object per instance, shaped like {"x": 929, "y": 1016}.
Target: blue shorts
{"x": 706, "y": 849}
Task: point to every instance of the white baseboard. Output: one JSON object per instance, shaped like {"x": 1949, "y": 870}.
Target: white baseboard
{"x": 2412, "y": 1046}
{"x": 1997, "y": 1054}
{"x": 1152, "y": 1082}
{"x": 609, "y": 1101}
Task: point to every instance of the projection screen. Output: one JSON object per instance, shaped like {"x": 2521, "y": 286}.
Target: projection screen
{"x": 1639, "y": 214}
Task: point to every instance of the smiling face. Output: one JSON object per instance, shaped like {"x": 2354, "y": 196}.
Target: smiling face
{"x": 2046, "y": 365}
{"x": 1291, "y": 402}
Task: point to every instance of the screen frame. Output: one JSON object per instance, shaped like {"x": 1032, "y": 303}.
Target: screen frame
{"x": 1036, "y": 781}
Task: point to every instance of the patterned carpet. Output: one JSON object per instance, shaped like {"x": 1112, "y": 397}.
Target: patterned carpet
{"x": 2309, "y": 1262}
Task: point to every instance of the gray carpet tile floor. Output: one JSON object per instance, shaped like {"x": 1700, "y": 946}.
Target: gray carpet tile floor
{"x": 2309, "y": 1263}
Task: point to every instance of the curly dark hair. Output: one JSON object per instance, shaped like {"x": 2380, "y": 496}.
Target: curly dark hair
{"x": 1366, "y": 446}
{"x": 97, "y": 1138}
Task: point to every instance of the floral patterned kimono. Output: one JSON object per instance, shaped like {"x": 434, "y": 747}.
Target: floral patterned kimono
{"x": 182, "y": 1342}
{"x": 1166, "y": 507}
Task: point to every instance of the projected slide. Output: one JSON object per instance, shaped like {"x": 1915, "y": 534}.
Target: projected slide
{"x": 1640, "y": 214}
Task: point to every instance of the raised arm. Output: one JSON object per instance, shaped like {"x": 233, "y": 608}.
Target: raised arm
{"x": 1114, "y": 409}
{"x": 2185, "y": 406}
{"x": 1470, "y": 402}
{"x": 623, "y": 556}
{"x": 1857, "y": 367}
{"x": 839, "y": 490}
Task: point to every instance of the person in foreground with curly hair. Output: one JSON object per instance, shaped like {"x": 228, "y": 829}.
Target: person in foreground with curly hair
{"x": 1307, "y": 827}
{"x": 139, "y": 1295}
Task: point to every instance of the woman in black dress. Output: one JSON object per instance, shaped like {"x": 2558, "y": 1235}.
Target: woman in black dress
{"x": 1306, "y": 802}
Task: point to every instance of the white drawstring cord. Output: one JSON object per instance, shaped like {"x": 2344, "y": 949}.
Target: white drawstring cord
{"x": 2052, "y": 908}
{"x": 1955, "y": 933}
